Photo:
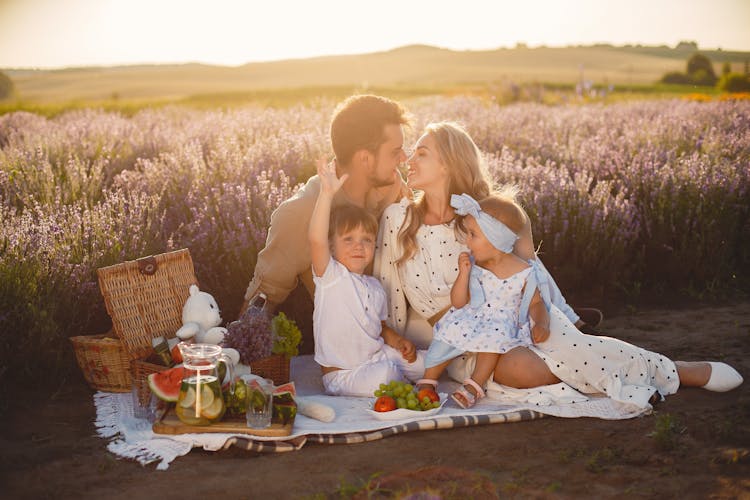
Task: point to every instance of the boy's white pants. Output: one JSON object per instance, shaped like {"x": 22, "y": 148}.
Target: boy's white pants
{"x": 386, "y": 365}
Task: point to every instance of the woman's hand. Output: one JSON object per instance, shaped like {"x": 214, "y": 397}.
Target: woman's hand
{"x": 539, "y": 318}
{"x": 329, "y": 181}
{"x": 539, "y": 333}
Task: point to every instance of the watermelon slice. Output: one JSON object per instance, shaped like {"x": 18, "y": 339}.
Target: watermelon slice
{"x": 283, "y": 411}
{"x": 288, "y": 387}
{"x": 284, "y": 406}
{"x": 166, "y": 384}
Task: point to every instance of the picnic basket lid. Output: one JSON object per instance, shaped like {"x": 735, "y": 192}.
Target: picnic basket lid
{"x": 145, "y": 298}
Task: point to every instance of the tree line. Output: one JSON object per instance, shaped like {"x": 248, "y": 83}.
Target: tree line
{"x": 700, "y": 71}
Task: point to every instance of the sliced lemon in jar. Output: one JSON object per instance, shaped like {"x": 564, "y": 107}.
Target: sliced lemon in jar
{"x": 214, "y": 409}
{"x": 207, "y": 396}
{"x": 187, "y": 416}
{"x": 188, "y": 399}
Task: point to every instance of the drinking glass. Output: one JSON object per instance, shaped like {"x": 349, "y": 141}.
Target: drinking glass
{"x": 259, "y": 404}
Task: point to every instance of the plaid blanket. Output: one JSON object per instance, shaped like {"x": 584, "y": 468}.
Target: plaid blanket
{"x": 448, "y": 422}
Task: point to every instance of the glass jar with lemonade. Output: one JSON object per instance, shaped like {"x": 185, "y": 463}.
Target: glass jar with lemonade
{"x": 200, "y": 401}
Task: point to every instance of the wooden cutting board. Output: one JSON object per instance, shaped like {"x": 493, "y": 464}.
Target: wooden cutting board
{"x": 170, "y": 424}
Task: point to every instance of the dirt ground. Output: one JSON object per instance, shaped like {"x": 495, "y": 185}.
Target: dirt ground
{"x": 696, "y": 444}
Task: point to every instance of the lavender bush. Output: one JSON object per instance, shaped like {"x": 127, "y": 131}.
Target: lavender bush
{"x": 648, "y": 195}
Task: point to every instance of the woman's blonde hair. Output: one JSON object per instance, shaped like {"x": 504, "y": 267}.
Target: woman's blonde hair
{"x": 467, "y": 174}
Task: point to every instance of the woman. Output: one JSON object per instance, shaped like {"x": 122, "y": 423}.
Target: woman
{"x": 417, "y": 254}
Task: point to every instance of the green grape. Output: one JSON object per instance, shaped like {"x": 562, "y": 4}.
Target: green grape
{"x": 405, "y": 395}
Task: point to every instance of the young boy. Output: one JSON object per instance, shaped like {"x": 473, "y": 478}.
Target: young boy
{"x": 354, "y": 348}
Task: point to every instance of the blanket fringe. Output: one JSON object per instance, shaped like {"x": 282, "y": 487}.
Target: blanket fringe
{"x": 107, "y": 414}
{"x": 162, "y": 450}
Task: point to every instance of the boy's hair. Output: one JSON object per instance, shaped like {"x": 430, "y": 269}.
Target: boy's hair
{"x": 348, "y": 217}
{"x": 358, "y": 124}
{"x": 502, "y": 205}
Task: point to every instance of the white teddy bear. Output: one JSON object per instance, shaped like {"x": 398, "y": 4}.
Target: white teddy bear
{"x": 200, "y": 322}
{"x": 201, "y": 319}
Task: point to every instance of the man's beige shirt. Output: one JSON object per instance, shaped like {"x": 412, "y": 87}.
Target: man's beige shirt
{"x": 285, "y": 260}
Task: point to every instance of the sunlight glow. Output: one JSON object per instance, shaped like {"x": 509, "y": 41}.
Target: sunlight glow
{"x": 54, "y": 33}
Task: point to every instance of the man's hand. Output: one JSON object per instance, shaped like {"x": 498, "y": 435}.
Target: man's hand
{"x": 380, "y": 197}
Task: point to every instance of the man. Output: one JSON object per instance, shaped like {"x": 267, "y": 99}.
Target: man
{"x": 368, "y": 141}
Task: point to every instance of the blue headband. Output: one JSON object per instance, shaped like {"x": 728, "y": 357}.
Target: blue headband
{"x": 495, "y": 231}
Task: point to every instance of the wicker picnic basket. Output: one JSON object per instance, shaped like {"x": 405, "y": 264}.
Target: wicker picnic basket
{"x": 145, "y": 297}
{"x": 275, "y": 367}
{"x": 103, "y": 361}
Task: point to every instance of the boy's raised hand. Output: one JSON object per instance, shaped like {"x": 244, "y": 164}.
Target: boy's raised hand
{"x": 329, "y": 181}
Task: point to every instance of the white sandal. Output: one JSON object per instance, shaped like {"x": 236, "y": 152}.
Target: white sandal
{"x": 464, "y": 398}
{"x": 723, "y": 377}
{"x": 428, "y": 381}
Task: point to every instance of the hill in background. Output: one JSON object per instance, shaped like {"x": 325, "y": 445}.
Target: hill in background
{"x": 405, "y": 67}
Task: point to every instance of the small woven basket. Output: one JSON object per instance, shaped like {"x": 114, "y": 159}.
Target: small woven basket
{"x": 275, "y": 367}
{"x": 103, "y": 361}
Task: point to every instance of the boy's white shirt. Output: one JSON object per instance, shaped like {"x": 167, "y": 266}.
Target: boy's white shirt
{"x": 349, "y": 309}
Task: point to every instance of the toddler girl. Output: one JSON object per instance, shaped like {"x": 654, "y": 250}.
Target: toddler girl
{"x": 492, "y": 300}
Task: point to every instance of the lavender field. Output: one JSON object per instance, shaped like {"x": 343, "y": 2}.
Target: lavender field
{"x": 625, "y": 198}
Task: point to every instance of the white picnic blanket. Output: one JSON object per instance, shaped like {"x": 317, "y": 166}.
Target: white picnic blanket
{"x": 133, "y": 438}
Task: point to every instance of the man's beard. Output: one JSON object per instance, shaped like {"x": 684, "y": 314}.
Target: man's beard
{"x": 377, "y": 182}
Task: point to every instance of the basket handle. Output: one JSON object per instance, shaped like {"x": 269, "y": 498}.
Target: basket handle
{"x": 147, "y": 265}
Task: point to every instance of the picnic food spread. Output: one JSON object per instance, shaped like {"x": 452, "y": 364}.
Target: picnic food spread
{"x": 400, "y": 395}
{"x": 198, "y": 391}
{"x": 203, "y": 397}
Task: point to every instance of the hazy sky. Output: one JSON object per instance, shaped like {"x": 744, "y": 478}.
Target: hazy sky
{"x": 59, "y": 33}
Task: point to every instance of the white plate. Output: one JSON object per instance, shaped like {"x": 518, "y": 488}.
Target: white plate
{"x": 405, "y": 413}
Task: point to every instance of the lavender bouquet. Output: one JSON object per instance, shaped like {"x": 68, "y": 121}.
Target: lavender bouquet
{"x": 250, "y": 335}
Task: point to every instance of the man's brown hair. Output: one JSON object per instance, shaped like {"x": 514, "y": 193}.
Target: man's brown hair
{"x": 358, "y": 124}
